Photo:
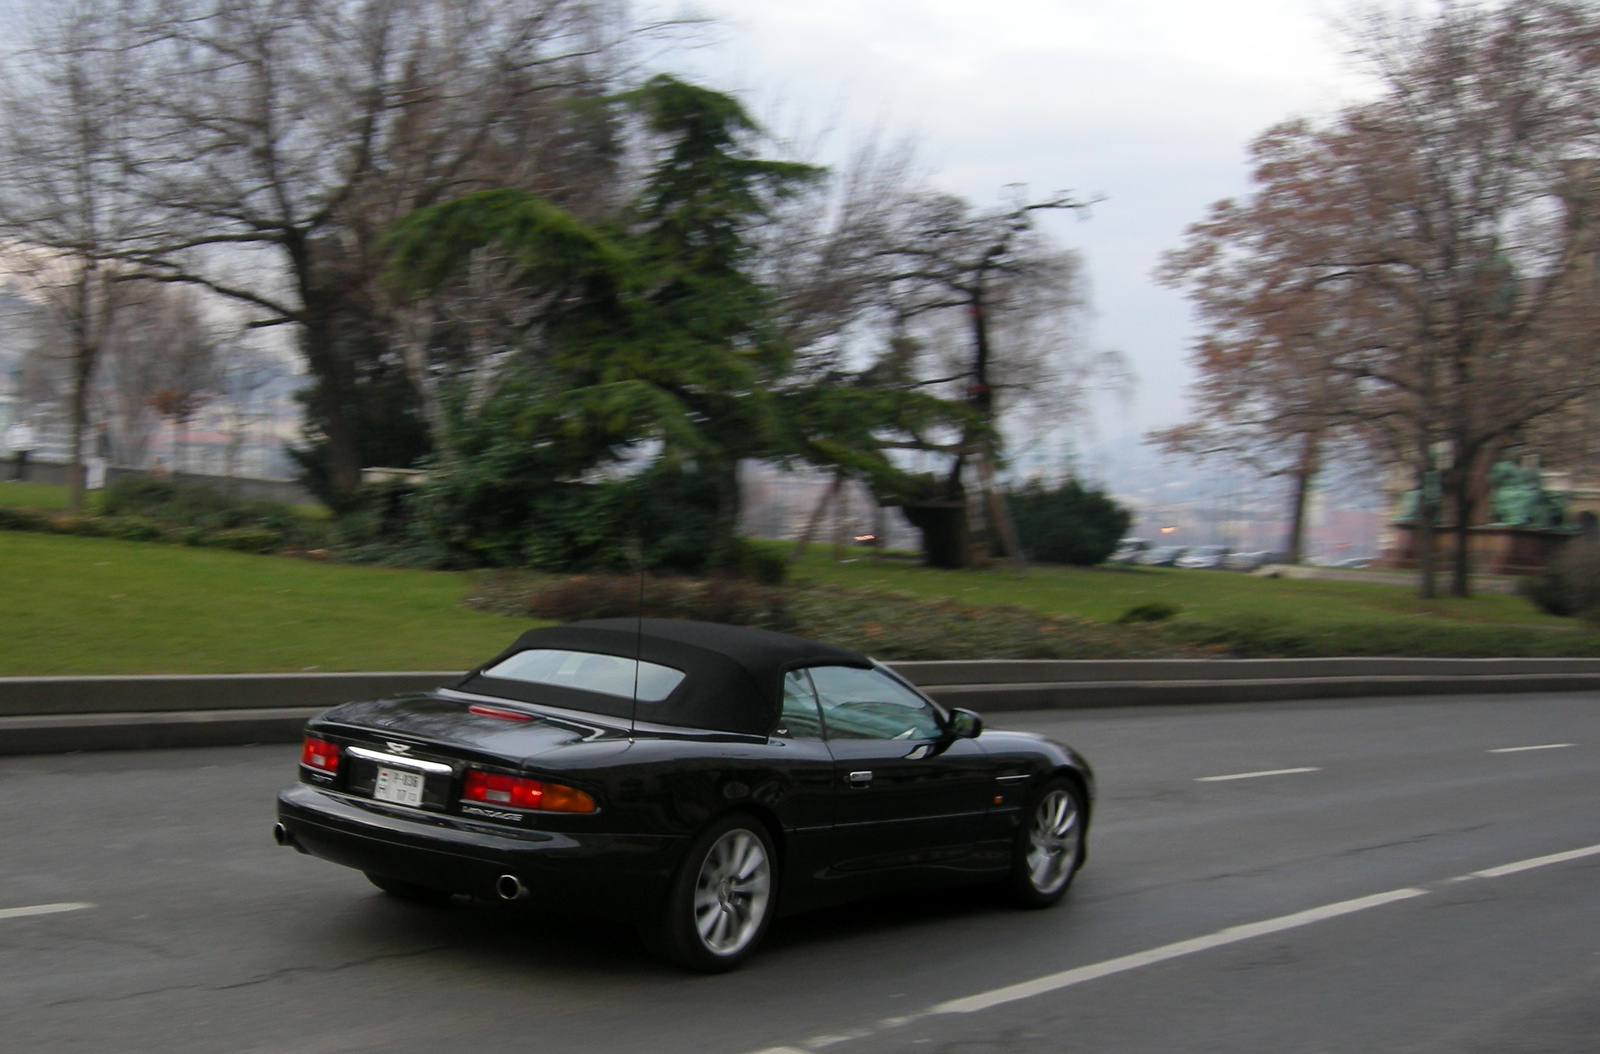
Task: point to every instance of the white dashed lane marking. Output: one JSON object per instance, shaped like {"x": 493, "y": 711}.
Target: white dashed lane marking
{"x": 1253, "y": 775}
{"x": 1541, "y": 746}
{"x": 1232, "y": 935}
{"x": 40, "y": 909}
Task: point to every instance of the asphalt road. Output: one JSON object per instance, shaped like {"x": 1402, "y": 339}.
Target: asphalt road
{"x": 204, "y": 936}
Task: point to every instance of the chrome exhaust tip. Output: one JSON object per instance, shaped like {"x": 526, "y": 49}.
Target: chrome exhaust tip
{"x": 509, "y": 888}
{"x": 281, "y": 835}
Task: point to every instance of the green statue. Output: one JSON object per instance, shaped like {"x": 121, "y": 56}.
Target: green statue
{"x": 1518, "y": 498}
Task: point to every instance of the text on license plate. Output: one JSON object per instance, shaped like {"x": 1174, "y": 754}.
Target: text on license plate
{"x": 402, "y": 788}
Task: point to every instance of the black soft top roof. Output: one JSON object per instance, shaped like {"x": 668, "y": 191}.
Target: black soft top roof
{"x": 734, "y": 674}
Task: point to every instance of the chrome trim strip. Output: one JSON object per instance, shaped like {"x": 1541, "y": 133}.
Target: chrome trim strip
{"x": 396, "y": 761}
{"x": 1012, "y": 779}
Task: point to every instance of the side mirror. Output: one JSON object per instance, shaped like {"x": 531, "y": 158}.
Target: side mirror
{"x": 964, "y": 724}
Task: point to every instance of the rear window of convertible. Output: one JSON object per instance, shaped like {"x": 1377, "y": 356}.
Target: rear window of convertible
{"x": 589, "y": 672}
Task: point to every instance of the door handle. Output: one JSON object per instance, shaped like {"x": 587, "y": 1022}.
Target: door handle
{"x": 860, "y": 779}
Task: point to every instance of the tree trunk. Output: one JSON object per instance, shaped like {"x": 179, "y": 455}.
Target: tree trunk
{"x": 1000, "y": 514}
{"x": 80, "y": 424}
{"x": 817, "y": 514}
{"x": 1461, "y": 563}
{"x": 1293, "y": 545}
{"x": 1305, "y": 472}
{"x": 319, "y": 333}
{"x": 331, "y": 369}
{"x": 83, "y": 356}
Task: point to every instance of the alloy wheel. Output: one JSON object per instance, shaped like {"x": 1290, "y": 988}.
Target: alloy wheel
{"x": 1054, "y": 842}
{"x": 732, "y": 892}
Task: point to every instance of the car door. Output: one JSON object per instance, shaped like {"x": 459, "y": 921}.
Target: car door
{"x": 905, "y": 793}
{"x": 804, "y": 763}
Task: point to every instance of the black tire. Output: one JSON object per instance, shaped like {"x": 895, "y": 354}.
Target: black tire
{"x": 721, "y": 900}
{"x": 1049, "y": 847}
{"x": 411, "y": 891}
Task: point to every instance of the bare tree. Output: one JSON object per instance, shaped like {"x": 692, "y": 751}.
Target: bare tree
{"x": 64, "y": 114}
{"x": 281, "y": 139}
{"x": 188, "y": 376}
{"x": 992, "y": 273}
{"x": 1449, "y": 230}
{"x": 1268, "y": 391}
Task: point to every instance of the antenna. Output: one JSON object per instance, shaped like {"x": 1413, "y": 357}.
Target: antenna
{"x": 636, "y": 557}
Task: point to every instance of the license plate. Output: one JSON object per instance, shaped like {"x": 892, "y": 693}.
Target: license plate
{"x": 402, "y": 788}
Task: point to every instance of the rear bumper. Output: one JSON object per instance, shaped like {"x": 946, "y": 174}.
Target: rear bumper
{"x": 616, "y": 876}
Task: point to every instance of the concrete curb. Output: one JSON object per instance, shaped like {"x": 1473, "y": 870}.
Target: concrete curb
{"x": 57, "y": 714}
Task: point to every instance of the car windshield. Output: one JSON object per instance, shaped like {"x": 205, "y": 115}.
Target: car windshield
{"x": 589, "y": 672}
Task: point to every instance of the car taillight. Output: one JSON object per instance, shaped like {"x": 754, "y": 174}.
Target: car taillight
{"x": 500, "y": 712}
{"x": 492, "y": 788}
{"x": 320, "y": 754}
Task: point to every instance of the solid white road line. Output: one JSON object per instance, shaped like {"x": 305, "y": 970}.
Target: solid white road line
{"x": 1232, "y": 935}
{"x": 40, "y": 909}
{"x": 1541, "y": 746}
{"x": 1252, "y": 775}
{"x": 1538, "y": 861}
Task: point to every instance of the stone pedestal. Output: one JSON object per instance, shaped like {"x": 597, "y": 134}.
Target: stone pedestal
{"x": 1491, "y": 550}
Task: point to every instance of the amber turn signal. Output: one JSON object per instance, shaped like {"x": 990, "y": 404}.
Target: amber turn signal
{"x": 493, "y": 788}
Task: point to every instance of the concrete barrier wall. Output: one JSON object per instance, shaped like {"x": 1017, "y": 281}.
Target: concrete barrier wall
{"x": 55, "y": 714}
{"x": 241, "y": 691}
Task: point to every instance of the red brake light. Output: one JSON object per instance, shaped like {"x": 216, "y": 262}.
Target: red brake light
{"x": 319, "y": 754}
{"x": 492, "y": 788}
{"x": 495, "y": 711}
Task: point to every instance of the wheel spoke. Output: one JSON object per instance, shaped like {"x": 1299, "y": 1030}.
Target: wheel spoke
{"x": 731, "y": 892}
{"x": 1053, "y": 842}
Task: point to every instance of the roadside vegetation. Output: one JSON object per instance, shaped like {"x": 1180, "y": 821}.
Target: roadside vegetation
{"x": 71, "y": 604}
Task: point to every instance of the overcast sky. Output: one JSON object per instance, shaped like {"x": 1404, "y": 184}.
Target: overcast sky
{"x": 1149, "y": 103}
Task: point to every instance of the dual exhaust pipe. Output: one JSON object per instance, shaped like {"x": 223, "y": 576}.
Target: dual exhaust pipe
{"x": 508, "y": 888}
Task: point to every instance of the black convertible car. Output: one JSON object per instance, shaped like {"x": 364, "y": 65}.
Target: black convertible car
{"x": 693, "y": 778}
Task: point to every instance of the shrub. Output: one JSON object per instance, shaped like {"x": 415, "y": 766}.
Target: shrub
{"x": 181, "y": 503}
{"x": 492, "y": 511}
{"x": 1571, "y": 584}
{"x": 1071, "y": 524}
{"x": 24, "y": 519}
{"x": 131, "y": 528}
{"x": 1155, "y": 611}
{"x": 732, "y": 601}
{"x": 888, "y": 625}
{"x": 762, "y": 563}
{"x": 244, "y": 539}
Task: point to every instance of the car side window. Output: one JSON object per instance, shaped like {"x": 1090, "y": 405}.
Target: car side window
{"x": 800, "y": 719}
{"x": 866, "y": 704}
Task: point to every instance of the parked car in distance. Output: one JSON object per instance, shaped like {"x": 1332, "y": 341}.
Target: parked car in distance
{"x": 1128, "y": 551}
{"x": 695, "y": 779}
{"x": 1161, "y": 556}
{"x": 1245, "y": 561}
{"x": 1202, "y": 558}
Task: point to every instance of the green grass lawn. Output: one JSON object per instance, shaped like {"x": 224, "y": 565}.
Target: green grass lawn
{"x": 1104, "y": 593}
{"x": 38, "y": 495}
{"x": 98, "y": 606}
{"x": 1235, "y": 614}
{"x": 73, "y": 605}
{"x": 50, "y": 497}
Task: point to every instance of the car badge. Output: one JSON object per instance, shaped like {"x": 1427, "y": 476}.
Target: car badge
{"x": 398, "y": 748}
